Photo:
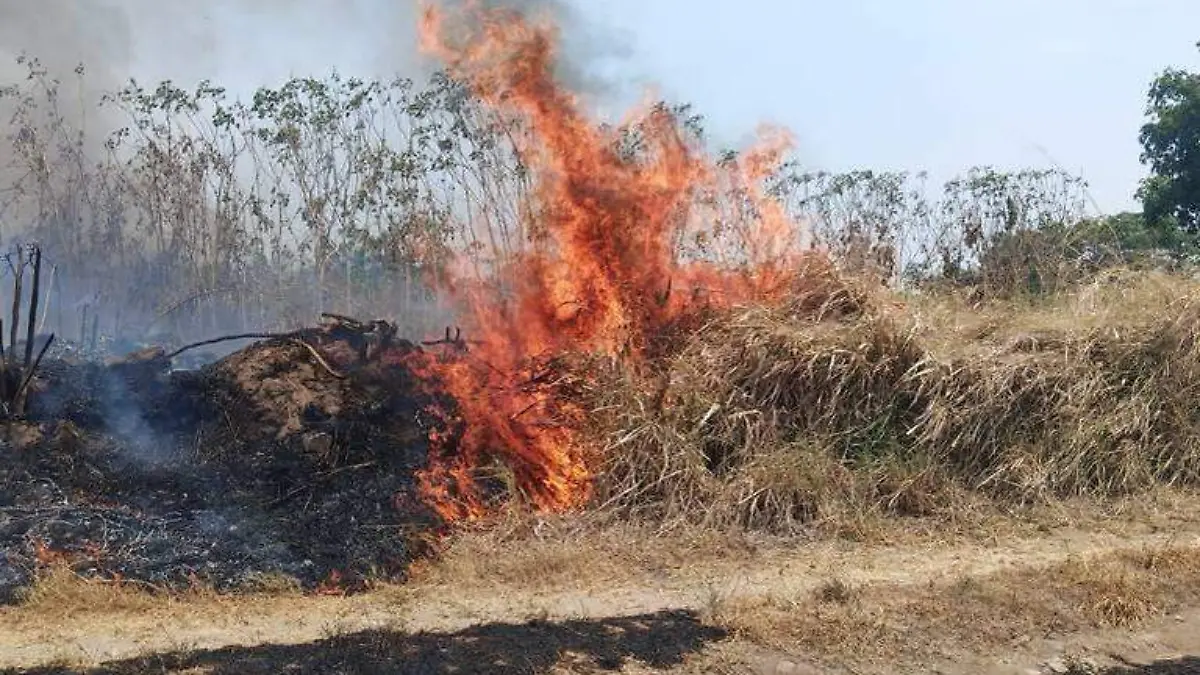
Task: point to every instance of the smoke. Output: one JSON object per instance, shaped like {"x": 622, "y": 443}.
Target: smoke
{"x": 237, "y": 44}
{"x": 585, "y": 49}
{"x": 247, "y": 43}
{"x": 63, "y": 33}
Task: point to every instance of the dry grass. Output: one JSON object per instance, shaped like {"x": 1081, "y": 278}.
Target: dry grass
{"x": 138, "y": 612}
{"x": 591, "y": 548}
{"x": 988, "y": 615}
{"x": 844, "y": 405}
{"x": 61, "y": 594}
{"x": 576, "y": 551}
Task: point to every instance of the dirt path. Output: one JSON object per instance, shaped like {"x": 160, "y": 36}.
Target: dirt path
{"x": 62, "y": 633}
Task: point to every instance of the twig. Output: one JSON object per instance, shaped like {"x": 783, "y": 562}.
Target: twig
{"x": 325, "y": 476}
{"x": 455, "y": 341}
{"x": 19, "y": 398}
{"x": 320, "y": 359}
{"x": 198, "y": 295}
{"x": 288, "y": 495}
{"x": 287, "y": 337}
{"x": 351, "y": 321}
{"x": 344, "y": 469}
{"x": 228, "y": 338}
{"x": 524, "y": 410}
{"x": 46, "y": 306}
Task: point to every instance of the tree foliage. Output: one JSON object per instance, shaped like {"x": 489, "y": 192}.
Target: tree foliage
{"x": 1171, "y": 147}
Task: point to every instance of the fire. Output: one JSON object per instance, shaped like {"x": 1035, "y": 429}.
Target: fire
{"x": 610, "y": 276}
{"x": 332, "y": 585}
{"x": 49, "y": 556}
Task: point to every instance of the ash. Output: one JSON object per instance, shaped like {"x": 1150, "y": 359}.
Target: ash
{"x": 279, "y": 460}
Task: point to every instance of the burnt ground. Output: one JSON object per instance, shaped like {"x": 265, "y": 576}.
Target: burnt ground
{"x": 266, "y": 463}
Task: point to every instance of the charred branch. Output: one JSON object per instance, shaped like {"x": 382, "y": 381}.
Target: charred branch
{"x": 231, "y": 338}
{"x": 16, "y": 373}
{"x": 18, "y": 270}
{"x": 34, "y": 295}
{"x": 292, "y": 337}
{"x": 20, "y": 399}
{"x": 367, "y": 338}
{"x": 456, "y": 341}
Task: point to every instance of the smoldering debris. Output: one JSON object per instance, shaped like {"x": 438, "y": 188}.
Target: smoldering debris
{"x": 291, "y": 457}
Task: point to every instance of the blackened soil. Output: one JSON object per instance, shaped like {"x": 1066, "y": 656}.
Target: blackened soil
{"x": 261, "y": 465}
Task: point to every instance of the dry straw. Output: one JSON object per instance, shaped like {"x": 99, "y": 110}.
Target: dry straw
{"x": 778, "y": 417}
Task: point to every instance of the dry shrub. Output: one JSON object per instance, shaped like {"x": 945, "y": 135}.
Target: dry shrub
{"x": 1105, "y": 408}
{"x": 780, "y": 416}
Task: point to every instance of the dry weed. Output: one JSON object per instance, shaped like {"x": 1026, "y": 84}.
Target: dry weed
{"x": 837, "y": 407}
{"x": 61, "y": 592}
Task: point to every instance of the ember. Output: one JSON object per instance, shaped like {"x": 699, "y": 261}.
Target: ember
{"x": 332, "y": 585}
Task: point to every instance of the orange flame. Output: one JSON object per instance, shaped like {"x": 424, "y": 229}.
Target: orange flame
{"x": 610, "y": 279}
{"x": 47, "y": 555}
{"x": 331, "y": 585}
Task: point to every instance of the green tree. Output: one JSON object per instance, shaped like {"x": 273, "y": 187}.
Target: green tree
{"x": 1171, "y": 147}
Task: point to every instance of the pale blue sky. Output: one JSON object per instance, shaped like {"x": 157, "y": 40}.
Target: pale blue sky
{"x": 923, "y": 84}
{"x": 938, "y": 85}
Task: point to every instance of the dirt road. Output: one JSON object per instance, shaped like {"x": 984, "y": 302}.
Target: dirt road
{"x": 625, "y": 615}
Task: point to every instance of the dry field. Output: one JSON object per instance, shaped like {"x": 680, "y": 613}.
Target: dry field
{"x": 1050, "y": 589}
{"x": 1038, "y": 516}
{"x": 772, "y": 462}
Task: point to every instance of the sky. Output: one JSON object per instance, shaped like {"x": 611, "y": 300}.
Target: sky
{"x": 933, "y": 85}
{"x": 936, "y": 85}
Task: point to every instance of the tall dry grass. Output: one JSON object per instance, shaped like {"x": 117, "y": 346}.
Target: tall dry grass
{"x": 847, "y": 400}
{"x": 204, "y": 213}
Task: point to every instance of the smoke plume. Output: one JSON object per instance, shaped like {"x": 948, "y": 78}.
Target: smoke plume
{"x": 246, "y": 43}
{"x": 236, "y": 44}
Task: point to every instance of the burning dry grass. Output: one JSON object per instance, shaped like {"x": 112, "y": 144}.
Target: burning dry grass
{"x": 806, "y": 397}
{"x": 842, "y": 403}
{"x": 981, "y": 615}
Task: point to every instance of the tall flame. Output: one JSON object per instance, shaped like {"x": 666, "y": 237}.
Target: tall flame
{"x": 611, "y": 279}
